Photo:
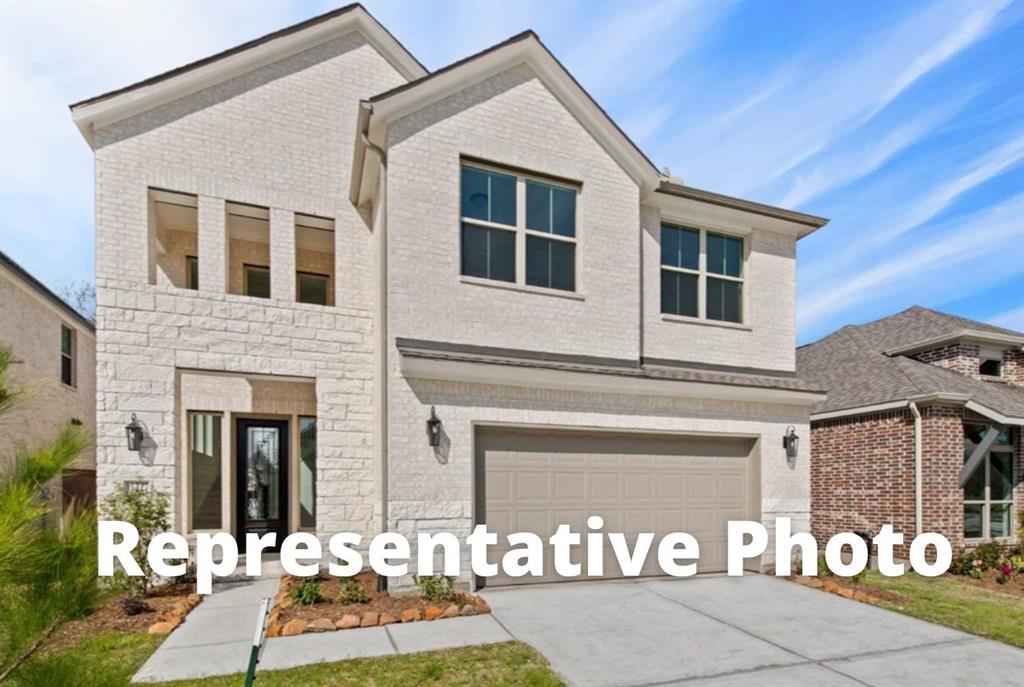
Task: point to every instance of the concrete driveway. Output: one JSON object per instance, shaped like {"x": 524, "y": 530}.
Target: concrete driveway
{"x": 745, "y": 631}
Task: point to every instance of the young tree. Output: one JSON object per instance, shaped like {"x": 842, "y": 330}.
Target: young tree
{"x": 47, "y": 573}
{"x": 80, "y": 295}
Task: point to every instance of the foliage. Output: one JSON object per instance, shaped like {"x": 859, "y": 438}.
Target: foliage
{"x": 47, "y": 559}
{"x": 80, "y": 295}
{"x": 147, "y": 510}
{"x": 437, "y": 587}
{"x": 352, "y": 592}
{"x": 307, "y": 593}
{"x": 108, "y": 660}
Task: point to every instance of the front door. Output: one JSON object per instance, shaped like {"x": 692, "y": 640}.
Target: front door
{"x": 262, "y": 480}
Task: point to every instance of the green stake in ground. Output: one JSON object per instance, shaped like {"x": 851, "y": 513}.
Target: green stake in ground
{"x": 259, "y": 638}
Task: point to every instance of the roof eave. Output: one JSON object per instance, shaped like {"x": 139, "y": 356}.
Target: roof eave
{"x": 969, "y": 334}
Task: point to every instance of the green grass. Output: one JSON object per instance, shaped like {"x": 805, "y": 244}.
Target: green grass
{"x": 110, "y": 661}
{"x": 952, "y": 601}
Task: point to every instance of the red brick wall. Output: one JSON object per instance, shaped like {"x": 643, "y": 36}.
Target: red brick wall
{"x": 1013, "y": 367}
{"x": 942, "y": 458}
{"x": 958, "y": 357}
{"x": 862, "y": 475}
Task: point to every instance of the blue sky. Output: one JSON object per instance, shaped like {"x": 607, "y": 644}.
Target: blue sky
{"x": 902, "y": 122}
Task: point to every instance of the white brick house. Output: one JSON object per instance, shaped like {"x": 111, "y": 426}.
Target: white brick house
{"x": 306, "y": 243}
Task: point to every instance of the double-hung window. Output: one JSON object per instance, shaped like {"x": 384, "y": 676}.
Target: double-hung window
{"x": 988, "y": 494}
{"x": 701, "y": 274}
{"x": 518, "y": 229}
{"x": 67, "y": 355}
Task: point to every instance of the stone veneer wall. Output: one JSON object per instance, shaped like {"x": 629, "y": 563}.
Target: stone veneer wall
{"x": 278, "y": 137}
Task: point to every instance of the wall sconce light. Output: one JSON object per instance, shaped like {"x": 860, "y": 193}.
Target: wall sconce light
{"x": 133, "y": 430}
{"x": 434, "y": 428}
{"x": 791, "y": 442}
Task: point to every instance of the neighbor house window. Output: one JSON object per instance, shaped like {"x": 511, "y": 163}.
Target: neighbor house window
{"x": 67, "y": 355}
{"x": 988, "y": 494}
{"x": 205, "y": 470}
{"x": 307, "y": 472}
{"x": 519, "y": 229}
{"x": 257, "y": 281}
{"x": 701, "y": 274}
{"x": 312, "y": 288}
{"x": 991, "y": 364}
{"x": 191, "y": 272}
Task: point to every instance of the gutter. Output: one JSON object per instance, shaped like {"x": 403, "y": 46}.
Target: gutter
{"x": 918, "y": 471}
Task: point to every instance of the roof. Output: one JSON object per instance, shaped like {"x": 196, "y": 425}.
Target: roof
{"x": 525, "y": 47}
{"x": 679, "y": 190}
{"x": 151, "y": 92}
{"x": 663, "y": 370}
{"x": 918, "y": 328}
{"x": 9, "y": 265}
{"x": 853, "y": 366}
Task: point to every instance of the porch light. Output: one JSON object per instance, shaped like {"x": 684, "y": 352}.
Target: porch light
{"x": 133, "y": 430}
{"x": 791, "y": 442}
{"x": 434, "y": 428}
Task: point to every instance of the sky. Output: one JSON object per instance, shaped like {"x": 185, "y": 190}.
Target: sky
{"x": 901, "y": 122}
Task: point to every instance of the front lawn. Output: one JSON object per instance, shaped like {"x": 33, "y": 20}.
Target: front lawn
{"x": 111, "y": 659}
{"x": 955, "y": 602}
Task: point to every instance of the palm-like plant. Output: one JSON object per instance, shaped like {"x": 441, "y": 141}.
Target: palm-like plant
{"x": 47, "y": 573}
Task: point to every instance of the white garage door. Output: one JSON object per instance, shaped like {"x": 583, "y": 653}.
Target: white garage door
{"x": 532, "y": 481}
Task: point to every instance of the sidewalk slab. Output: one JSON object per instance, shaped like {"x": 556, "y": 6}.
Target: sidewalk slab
{"x": 325, "y": 647}
{"x": 447, "y": 634}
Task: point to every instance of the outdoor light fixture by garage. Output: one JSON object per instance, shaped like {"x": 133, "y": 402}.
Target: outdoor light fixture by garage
{"x": 791, "y": 442}
{"x": 133, "y": 430}
{"x": 434, "y": 428}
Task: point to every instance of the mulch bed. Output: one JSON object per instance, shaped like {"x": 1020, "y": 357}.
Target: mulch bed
{"x": 380, "y": 604}
{"x": 1014, "y": 587}
{"x": 109, "y": 616}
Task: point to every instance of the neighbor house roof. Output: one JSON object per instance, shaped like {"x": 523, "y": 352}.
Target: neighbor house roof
{"x": 7, "y": 264}
{"x": 117, "y": 104}
{"x": 917, "y": 329}
{"x": 860, "y": 375}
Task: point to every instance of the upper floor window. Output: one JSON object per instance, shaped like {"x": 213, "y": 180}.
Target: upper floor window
{"x": 257, "y": 280}
{"x": 173, "y": 239}
{"x": 191, "y": 272}
{"x": 518, "y": 229}
{"x": 314, "y": 259}
{"x": 990, "y": 363}
{"x": 248, "y": 249}
{"x": 67, "y": 355}
{"x": 701, "y": 274}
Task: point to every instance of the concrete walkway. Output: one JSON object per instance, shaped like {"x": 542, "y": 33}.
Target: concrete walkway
{"x": 748, "y": 631}
{"x": 216, "y": 637}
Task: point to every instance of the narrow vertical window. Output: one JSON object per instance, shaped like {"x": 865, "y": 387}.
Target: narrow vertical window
{"x": 248, "y": 262}
{"x": 191, "y": 272}
{"x": 67, "y": 355}
{"x": 307, "y": 472}
{"x": 988, "y": 494}
{"x": 314, "y": 260}
{"x": 488, "y": 224}
{"x": 725, "y": 278}
{"x": 256, "y": 281}
{"x": 205, "y": 470}
{"x": 173, "y": 238}
{"x": 680, "y": 270}
{"x": 550, "y": 236}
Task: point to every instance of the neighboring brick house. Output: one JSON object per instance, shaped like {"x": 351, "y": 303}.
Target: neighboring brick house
{"x": 286, "y": 314}
{"x": 54, "y": 351}
{"x": 912, "y": 398}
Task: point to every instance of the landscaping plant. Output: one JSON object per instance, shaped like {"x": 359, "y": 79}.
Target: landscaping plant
{"x": 47, "y": 558}
{"x": 352, "y": 592}
{"x": 147, "y": 510}
{"x": 307, "y": 593}
{"x": 437, "y": 587}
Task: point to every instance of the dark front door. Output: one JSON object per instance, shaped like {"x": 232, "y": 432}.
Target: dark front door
{"x": 262, "y": 478}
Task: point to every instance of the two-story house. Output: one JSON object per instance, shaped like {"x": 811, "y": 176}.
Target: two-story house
{"x": 921, "y": 428}
{"x": 53, "y": 350}
{"x": 343, "y": 293}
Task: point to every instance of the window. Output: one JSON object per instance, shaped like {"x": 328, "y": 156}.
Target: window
{"x": 67, "y": 355}
{"x": 701, "y": 274}
{"x": 991, "y": 367}
{"x": 988, "y": 494}
{"x": 205, "y": 470}
{"x": 312, "y": 288}
{"x": 518, "y": 229}
{"x": 307, "y": 472}
{"x": 191, "y": 272}
{"x": 257, "y": 281}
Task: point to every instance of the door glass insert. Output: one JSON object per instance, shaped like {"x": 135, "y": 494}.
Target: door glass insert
{"x": 263, "y": 473}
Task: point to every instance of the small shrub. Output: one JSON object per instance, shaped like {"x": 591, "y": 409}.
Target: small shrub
{"x": 307, "y": 593}
{"x": 133, "y": 605}
{"x": 352, "y": 592}
{"x": 823, "y": 568}
{"x": 147, "y": 510}
{"x": 437, "y": 587}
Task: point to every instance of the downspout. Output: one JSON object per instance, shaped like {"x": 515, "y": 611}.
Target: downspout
{"x": 382, "y": 331}
{"x": 917, "y": 469}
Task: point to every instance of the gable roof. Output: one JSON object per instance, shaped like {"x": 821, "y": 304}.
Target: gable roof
{"x": 117, "y": 104}
{"x": 853, "y": 366}
{"x": 7, "y": 264}
{"x": 523, "y": 48}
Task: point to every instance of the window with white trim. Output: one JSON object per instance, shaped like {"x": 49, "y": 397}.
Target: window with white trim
{"x": 988, "y": 494}
{"x": 701, "y": 274}
{"x": 517, "y": 228}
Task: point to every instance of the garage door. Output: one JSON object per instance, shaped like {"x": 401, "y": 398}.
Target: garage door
{"x": 534, "y": 481}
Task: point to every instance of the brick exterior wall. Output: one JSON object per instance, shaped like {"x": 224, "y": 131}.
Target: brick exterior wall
{"x": 862, "y": 475}
{"x": 31, "y": 329}
{"x": 966, "y": 359}
{"x": 1013, "y": 367}
{"x": 942, "y": 458}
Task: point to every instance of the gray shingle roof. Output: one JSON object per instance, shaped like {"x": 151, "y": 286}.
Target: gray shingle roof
{"x": 851, "y": 365}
